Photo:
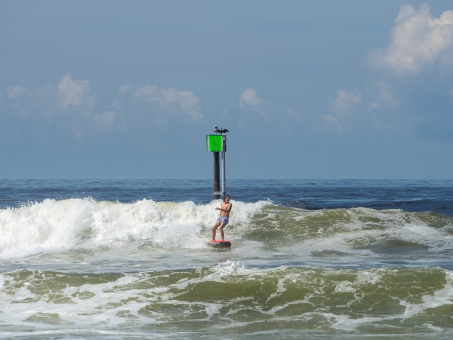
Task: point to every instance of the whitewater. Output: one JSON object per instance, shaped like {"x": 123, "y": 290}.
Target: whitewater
{"x": 309, "y": 259}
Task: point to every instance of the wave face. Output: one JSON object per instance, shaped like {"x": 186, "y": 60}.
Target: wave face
{"x": 349, "y": 234}
{"x": 86, "y": 267}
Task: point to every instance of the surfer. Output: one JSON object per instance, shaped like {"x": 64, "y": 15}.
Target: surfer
{"x": 222, "y": 221}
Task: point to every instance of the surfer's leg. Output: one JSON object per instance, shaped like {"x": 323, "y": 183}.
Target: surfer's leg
{"x": 221, "y": 231}
{"x": 214, "y": 229}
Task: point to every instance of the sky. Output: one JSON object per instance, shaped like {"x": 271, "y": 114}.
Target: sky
{"x": 309, "y": 89}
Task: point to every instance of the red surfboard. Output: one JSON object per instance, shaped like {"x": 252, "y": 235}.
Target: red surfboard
{"x": 219, "y": 243}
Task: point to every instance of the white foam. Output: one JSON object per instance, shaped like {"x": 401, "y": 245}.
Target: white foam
{"x": 439, "y": 298}
{"x": 60, "y": 225}
{"x": 362, "y": 227}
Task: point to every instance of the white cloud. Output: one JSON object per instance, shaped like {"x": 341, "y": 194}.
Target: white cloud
{"x": 74, "y": 93}
{"x": 346, "y": 100}
{"x": 105, "y": 120}
{"x": 332, "y": 121}
{"x": 250, "y": 98}
{"x": 170, "y": 100}
{"x": 418, "y": 40}
{"x": 385, "y": 94}
{"x": 16, "y": 91}
{"x": 133, "y": 107}
{"x": 124, "y": 89}
{"x": 382, "y": 97}
{"x": 369, "y": 105}
{"x": 293, "y": 114}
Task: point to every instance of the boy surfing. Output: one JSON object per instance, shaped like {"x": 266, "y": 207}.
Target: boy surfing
{"x": 222, "y": 221}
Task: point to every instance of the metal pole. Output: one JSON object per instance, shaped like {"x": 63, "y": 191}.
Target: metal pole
{"x": 223, "y": 165}
{"x": 216, "y": 175}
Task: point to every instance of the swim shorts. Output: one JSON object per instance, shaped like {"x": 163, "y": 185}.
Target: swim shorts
{"x": 223, "y": 219}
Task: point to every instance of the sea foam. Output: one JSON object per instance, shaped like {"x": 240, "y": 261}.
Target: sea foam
{"x": 59, "y": 225}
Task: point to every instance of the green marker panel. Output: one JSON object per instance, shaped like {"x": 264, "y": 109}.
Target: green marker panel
{"x": 214, "y": 143}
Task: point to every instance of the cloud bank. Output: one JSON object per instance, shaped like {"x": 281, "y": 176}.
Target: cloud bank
{"x": 250, "y": 99}
{"x": 135, "y": 107}
{"x": 418, "y": 41}
{"x": 346, "y": 100}
{"x": 74, "y": 93}
{"x": 182, "y": 103}
{"x": 16, "y": 91}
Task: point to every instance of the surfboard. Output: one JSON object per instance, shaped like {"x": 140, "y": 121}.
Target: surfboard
{"x": 219, "y": 243}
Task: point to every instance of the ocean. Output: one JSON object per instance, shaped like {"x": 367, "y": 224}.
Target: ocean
{"x": 310, "y": 259}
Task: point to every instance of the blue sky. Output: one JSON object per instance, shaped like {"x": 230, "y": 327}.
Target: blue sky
{"x": 308, "y": 89}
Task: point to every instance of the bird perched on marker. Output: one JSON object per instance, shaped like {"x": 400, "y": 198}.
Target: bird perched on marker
{"x": 217, "y": 130}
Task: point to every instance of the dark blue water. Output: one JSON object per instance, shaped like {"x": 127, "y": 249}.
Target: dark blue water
{"x": 407, "y": 195}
